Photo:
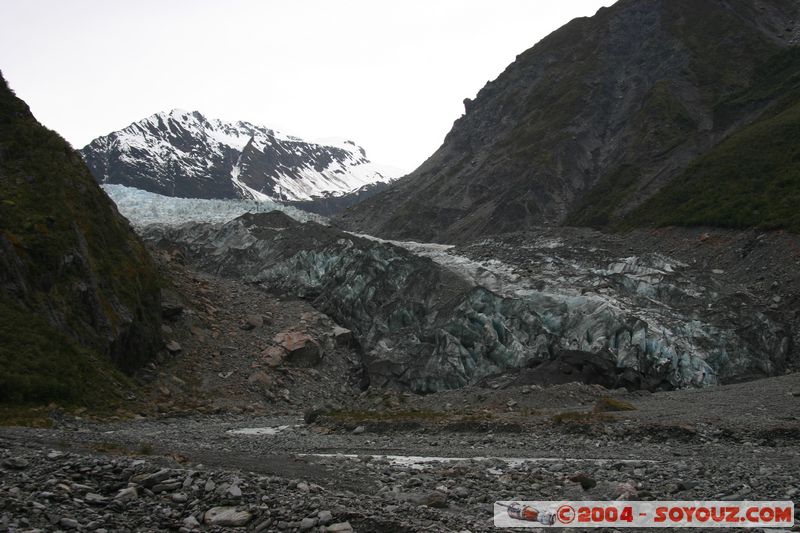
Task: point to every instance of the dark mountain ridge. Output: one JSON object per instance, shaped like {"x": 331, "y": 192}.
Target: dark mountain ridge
{"x": 185, "y": 154}
{"x": 597, "y": 123}
{"x": 79, "y": 295}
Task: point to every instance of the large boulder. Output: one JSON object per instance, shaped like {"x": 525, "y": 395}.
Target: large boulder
{"x": 227, "y": 517}
{"x": 301, "y": 348}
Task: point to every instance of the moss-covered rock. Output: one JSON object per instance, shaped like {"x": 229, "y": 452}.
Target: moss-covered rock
{"x": 78, "y": 292}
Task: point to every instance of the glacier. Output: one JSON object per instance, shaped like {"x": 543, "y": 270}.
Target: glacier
{"x": 430, "y": 317}
{"x": 142, "y": 208}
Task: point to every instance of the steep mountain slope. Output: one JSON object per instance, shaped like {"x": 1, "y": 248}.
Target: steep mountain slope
{"x": 594, "y": 120}
{"x": 77, "y": 289}
{"x": 330, "y": 204}
{"x": 185, "y": 154}
{"x": 758, "y": 165}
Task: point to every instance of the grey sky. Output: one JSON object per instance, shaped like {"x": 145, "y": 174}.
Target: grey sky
{"x": 389, "y": 75}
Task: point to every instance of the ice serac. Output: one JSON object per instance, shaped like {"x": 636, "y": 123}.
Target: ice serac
{"x": 429, "y": 319}
{"x": 604, "y": 114}
{"x": 184, "y": 154}
{"x": 142, "y": 207}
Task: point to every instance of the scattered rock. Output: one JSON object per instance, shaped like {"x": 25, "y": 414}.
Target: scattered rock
{"x": 227, "y": 516}
{"x": 461, "y": 492}
{"x": 311, "y": 415}
{"x": 325, "y": 517}
{"x": 15, "y": 463}
{"x": 127, "y": 494}
{"x": 234, "y": 491}
{"x": 685, "y": 485}
{"x": 68, "y": 523}
{"x": 434, "y": 499}
{"x": 152, "y": 479}
{"x": 301, "y": 349}
{"x": 587, "y": 482}
{"x": 274, "y": 356}
{"x": 173, "y": 347}
{"x": 167, "y": 487}
{"x": 199, "y": 333}
{"x": 263, "y": 525}
{"x": 252, "y": 322}
{"x": 259, "y": 377}
{"x": 738, "y": 495}
{"x": 341, "y": 527}
{"x": 624, "y": 491}
{"x": 307, "y": 523}
{"x": 171, "y": 305}
{"x": 342, "y": 336}
{"x": 94, "y": 499}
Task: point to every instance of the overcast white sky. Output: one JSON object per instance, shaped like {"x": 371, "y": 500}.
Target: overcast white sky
{"x": 389, "y": 75}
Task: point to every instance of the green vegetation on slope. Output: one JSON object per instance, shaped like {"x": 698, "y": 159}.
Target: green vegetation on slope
{"x": 78, "y": 292}
{"x": 40, "y": 364}
{"x": 721, "y": 54}
{"x": 664, "y": 124}
{"x": 751, "y": 179}
{"x": 596, "y": 118}
{"x": 596, "y": 207}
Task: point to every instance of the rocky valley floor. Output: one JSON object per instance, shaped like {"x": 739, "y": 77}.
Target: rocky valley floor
{"x": 256, "y": 417}
{"x": 386, "y": 464}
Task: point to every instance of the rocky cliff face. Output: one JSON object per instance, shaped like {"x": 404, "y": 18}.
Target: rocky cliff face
{"x": 77, "y": 289}
{"x": 599, "y": 117}
{"x": 187, "y": 155}
{"x": 429, "y": 319}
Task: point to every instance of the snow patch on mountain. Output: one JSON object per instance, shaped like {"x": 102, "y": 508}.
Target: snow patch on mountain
{"x": 184, "y": 154}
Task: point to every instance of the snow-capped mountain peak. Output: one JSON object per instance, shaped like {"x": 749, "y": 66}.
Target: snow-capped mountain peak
{"x": 184, "y": 153}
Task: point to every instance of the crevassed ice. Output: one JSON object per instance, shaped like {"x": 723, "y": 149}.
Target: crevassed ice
{"x": 143, "y": 207}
